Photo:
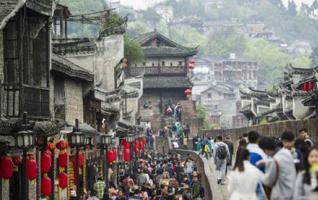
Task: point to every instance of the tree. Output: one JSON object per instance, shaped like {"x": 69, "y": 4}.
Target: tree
{"x": 203, "y": 116}
{"x": 132, "y": 50}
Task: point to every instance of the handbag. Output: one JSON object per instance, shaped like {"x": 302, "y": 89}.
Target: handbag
{"x": 268, "y": 189}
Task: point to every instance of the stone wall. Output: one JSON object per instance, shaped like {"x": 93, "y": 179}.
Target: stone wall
{"x": 73, "y": 102}
{"x": 274, "y": 129}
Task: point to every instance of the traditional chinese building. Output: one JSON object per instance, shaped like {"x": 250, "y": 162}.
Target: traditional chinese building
{"x": 294, "y": 98}
{"x": 165, "y": 71}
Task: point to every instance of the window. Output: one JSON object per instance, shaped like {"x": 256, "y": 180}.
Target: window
{"x": 215, "y": 107}
{"x": 171, "y": 64}
{"x": 209, "y": 95}
{"x": 180, "y": 63}
{"x": 153, "y": 64}
{"x": 163, "y": 63}
{"x": 144, "y": 63}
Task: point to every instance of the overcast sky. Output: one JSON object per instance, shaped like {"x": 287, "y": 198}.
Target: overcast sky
{"x": 142, "y": 4}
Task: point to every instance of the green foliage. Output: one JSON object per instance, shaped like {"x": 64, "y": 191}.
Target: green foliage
{"x": 202, "y": 115}
{"x": 132, "y": 50}
{"x": 113, "y": 21}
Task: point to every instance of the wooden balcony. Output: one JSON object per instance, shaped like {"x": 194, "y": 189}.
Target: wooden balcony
{"x": 33, "y": 100}
{"x": 135, "y": 71}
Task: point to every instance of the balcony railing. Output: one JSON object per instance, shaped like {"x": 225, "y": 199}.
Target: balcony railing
{"x": 33, "y": 100}
{"x": 157, "y": 70}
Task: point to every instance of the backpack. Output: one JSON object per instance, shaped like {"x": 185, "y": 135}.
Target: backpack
{"x": 221, "y": 152}
{"x": 206, "y": 148}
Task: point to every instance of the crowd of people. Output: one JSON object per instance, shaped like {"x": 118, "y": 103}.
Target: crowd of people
{"x": 154, "y": 177}
{"x": 284, "y": 168}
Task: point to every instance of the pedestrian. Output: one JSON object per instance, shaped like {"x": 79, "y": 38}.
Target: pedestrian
{"x": 306, "y": 180}
{"x": 280, "y": 173}
{"x": 99, "y": 188}
{"x": 92, "y": 196}
{"x": 303, "y": 134}
{"x": 196, "y": 187}
{"x": 231, "y": 150}
{"x": 244, "y": 171}
{"x": 256, "y": 153}
{"x": 221, "y": 157}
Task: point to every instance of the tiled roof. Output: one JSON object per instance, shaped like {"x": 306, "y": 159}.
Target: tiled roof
{"x": 166, "y": 82}
{"x": 8, "y": 9}
{"x": 63, "y": 65}
{"x": 167, "y": 47}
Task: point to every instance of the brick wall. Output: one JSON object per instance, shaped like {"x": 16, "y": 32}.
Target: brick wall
{"x": 73, "y": 101}
{"x": 274, "y": 129}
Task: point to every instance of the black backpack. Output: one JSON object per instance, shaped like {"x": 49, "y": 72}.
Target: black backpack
{"x": 221, "y": 152}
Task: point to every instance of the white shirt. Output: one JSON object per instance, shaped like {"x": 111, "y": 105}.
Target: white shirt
{"x": 242, "y": 185}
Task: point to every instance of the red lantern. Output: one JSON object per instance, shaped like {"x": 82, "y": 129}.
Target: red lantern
{"x": 62, "y": 160}
{"x": 80, "y": 159}
{"x": 46, "y": 161}
{"x": 51, "y": 146}
{"x": 125, "y": 143}
{"x": 31, "y": 169}
{"x": 63, "y": 180}
{"x": 46, "y": 186}
{"x": 115, "y": 154}
{"x": 140, "y": 144}
{"x": 126, "y": 155}
{"x": 17, "y": 160}
{"x": 110, "y": 156}
{"x": 62, "y": 144}
{"x": 6, "y": 167}
{"x": 188, "y": 92}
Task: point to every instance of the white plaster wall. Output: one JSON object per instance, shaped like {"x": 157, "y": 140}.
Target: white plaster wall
{"x": 73, "y": 101}
{"x": 85, "y": 61}
{"x": 299, "y": 110}
{"x": 110, "y": 50}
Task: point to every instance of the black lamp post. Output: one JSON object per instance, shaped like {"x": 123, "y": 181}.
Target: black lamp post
{"x": 24, "y": 140}
{"x": 105, "y": 140}
{"x": 77, "y": 140}
{"x": 130, "y": 138}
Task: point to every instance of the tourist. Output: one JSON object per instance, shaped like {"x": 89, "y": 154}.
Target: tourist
{"x": 244, "y": 170}
{"x": 231, "y": 150}
{"x": 303, "y": 134}
{"x": 280, "y": 169}
{"x": 99, "y": 188}
{"x": 306, "y": 181}
{"x": 92, "y": 196}
{"x": 221, "y": 157}
{"x": 256, "y": 153}
{"x": 196, "y": 187}
{"x": 188, "y": 169}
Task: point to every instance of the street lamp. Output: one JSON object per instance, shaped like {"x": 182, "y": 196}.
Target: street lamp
{"x": 105, "y": 140}
{"x": 130, "y": 139}
{"x": 24, "y": 140}
{"x": 76, "y": 140}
